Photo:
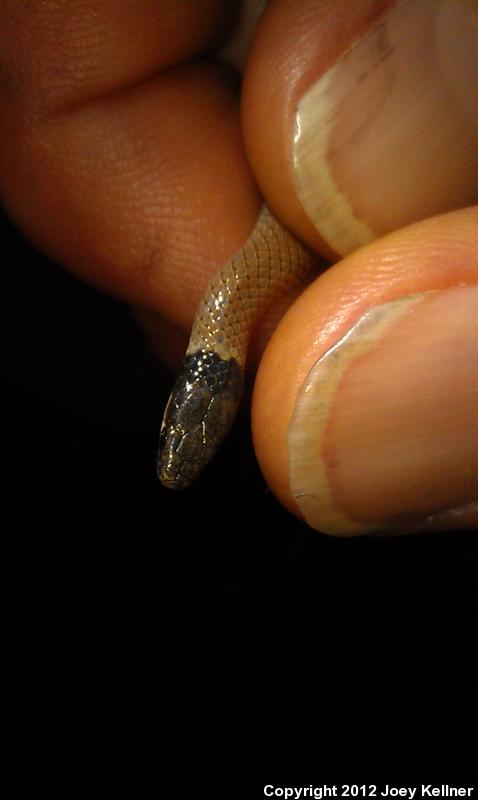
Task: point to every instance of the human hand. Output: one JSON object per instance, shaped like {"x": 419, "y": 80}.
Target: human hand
{"x": 123, "y": 158}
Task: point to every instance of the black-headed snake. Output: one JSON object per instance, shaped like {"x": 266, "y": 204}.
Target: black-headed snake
{"x": 207, "y": 392}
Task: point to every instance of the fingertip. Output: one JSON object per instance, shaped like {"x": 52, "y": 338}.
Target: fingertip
{"x": 293, "y": 45}
{"x": 144, "y": 193}
{"x": 372, "y": 436}
{"x": 361, "y": 118}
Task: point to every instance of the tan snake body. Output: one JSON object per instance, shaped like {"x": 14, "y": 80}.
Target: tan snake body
{"x": 207, "y": 392}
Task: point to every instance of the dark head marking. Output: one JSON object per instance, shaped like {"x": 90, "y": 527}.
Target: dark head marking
{"x": 198, "y": 416}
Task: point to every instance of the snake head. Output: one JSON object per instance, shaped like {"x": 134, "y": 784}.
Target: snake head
{"x": 199, "y": 414}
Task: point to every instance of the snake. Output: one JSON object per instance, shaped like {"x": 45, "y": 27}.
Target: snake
{"x": 208, "y": 389}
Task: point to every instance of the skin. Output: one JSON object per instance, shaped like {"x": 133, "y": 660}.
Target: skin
{"x": 123, "y": 157}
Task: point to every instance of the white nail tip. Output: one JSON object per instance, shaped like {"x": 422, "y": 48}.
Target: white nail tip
{"x": 388, "y": 135}
{"x": 323, "y": 202}
{"x": 308, "y": 469}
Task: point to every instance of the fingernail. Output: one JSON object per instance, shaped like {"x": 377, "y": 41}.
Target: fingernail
{"x": 389, "y": 134}
{"x": 384, "y": 432}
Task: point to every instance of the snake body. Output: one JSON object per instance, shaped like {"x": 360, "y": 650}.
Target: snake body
{"x": 207, "y": 392}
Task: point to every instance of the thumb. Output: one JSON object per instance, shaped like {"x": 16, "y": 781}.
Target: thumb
{"x": 361, "y": 118}
{"x": 366, "y": 400}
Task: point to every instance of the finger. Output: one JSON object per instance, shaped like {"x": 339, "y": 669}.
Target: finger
{"x": 366, "y": 400}
{"x": 139, "y": 183}
{"x": 361, "y": 118}
{"x": 56, "y": 54}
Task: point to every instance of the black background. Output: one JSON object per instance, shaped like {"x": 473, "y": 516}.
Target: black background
{"x": 206, "y": 639}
